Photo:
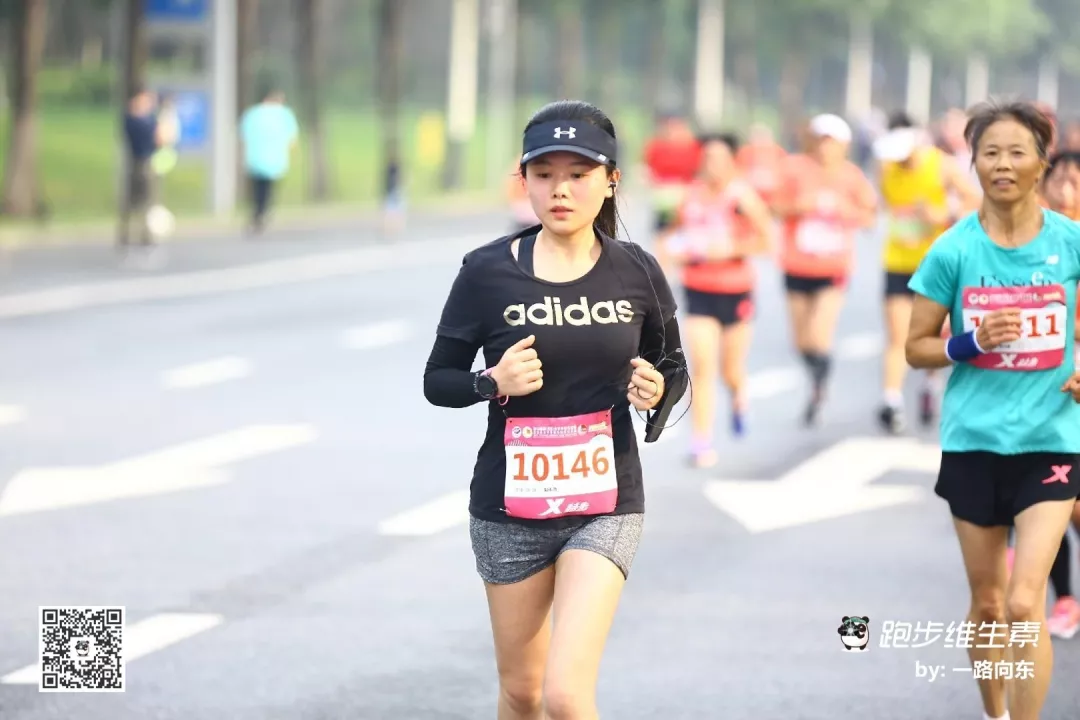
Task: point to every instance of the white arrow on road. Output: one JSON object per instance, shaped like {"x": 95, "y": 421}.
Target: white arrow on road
{"x": 180, "y": 467}
{"x": 833, "y": 483}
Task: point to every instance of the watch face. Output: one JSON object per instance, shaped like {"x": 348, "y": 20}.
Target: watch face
{"x": 486, "y": 386}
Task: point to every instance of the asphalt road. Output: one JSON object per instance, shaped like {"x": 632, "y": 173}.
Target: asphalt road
{"x": 242, "y": 457}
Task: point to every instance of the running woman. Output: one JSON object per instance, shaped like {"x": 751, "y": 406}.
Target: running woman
{"x": 761, "y": 160}
{"x": 824, "y": 200}
{"x": 573, "y": 324}
{"x": 1060, "y": 192}
{"x": 1010, "y": 420}
{"x": 672, "y": 157}
{"x": 917, "y": 182}
{"x": 721, "y": 225}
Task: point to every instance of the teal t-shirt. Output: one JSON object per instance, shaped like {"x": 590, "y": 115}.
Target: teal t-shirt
{"x": 1009, "y": 401}
{"x": 267, "y": 131}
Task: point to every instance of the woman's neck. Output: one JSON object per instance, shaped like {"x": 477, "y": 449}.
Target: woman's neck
{"x": 1019, "y": 221}
{"x": 570, "y": 249}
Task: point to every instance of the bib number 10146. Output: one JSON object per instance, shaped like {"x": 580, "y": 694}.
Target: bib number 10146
{"x": 560, "y": 466}
{"x": 1043, "y": 325}
{"x": 553, "y": 466}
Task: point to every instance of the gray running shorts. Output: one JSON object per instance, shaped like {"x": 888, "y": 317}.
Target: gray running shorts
{"x": 509, "y": 553}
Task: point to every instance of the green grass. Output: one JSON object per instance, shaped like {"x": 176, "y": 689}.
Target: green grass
{"x": 78, "y": 152}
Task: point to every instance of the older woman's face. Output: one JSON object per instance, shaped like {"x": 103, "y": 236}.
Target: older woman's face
{"x": 1007, "y": 161}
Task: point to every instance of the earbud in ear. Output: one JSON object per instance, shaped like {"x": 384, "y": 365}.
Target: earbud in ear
{"x": 612, "y": 184}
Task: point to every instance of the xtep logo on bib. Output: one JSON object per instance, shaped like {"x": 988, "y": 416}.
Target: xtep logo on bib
{"x": 553, "y": 312}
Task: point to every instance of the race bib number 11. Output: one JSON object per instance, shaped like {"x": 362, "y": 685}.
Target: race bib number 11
{"x": 1043, "y": 324}
{"x": 560, "y": 466}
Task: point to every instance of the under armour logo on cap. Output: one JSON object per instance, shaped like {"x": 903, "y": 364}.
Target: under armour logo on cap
{"x": 582, "y": 138}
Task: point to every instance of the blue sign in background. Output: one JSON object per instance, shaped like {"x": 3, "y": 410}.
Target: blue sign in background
{"x": 176, "y": 10}
{"x": 193, "y": 112}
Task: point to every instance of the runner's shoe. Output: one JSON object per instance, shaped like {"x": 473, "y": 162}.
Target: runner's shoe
{"x": 892, "y": 419}
{"x": 738, "y": 427}
{"x": 1064, "y": 620}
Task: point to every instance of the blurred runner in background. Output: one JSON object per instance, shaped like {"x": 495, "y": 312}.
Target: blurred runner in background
{"x": 824, "y": 200}
{"x": 673, "y": 157}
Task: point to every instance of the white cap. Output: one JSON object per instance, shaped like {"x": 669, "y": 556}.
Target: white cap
{"x": 897, "y": 145}
{"x": 829, "y": 125}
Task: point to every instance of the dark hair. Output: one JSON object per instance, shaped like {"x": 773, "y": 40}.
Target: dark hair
{"x": 607, "y": 221}
{"x": 727, "y": 138}
{"x": 1069, "y": 157}
{"x": 983, "y": 115}
{"x": 900, "y": 119}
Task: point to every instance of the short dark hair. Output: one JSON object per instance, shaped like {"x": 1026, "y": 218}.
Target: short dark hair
{"x": 607, "y": 221}
{"x": 727, "y": 138}
{"x": 900, "y": 119}
{"x": 1066, "y": 158}
{"x": 983, "y": 115}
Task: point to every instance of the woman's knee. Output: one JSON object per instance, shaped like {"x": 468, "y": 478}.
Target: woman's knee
{"x": 1024, "y": 603}
{"x": 566, "y": 700}
{"x": 523, "y": 694}
{"x": 988, "y": 605}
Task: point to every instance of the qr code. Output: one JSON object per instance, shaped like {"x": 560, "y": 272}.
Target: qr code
{"x": 81, "y": 649}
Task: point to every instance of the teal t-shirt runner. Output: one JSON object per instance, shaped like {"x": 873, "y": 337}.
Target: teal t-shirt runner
{"x": 1009, "y": 401}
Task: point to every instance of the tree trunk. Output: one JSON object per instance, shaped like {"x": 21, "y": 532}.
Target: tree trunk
{"x": 606, "y": 82}
{"x": 135, "y": 42}
{"x": 793, "y": 76}
{"x": 247, "y": 34}
{"x": 654, "y": 73}
{"x": 391, "y": 53}
{"x": 21, "y": 197}
{"x": 572, "y": 63}
{"x": 309, "y": 14}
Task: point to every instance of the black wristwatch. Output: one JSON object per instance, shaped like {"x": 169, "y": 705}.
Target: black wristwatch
{"x": 485, "y": 385}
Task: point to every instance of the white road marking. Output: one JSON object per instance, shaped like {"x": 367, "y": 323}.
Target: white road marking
{"x": 834, "y": 483}
{"x": 860, "y": 347}
{"x": 436, "y": 516}
{"x": 371, "y": 337}
{"x": 11, "y": 415}
{"x": 147, "y": 636}
{"x": 176, "y": 468}
{"x": 247, "y": 277}
{"x": 206, "y": 373}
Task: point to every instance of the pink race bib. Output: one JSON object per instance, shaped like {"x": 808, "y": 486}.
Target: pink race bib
{"x": 560, "y": 466}
{"x": 1044, "y": 320}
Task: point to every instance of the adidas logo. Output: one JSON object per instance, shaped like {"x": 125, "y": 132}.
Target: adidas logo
{"x": 552, "y": 312}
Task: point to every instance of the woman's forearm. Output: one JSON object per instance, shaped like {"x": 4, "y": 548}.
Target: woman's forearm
{"x": 926, "y": 353}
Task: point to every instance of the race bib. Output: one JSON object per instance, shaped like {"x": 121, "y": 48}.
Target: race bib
{"x": 560, "y": 466}
{"x": 1044, "y": 320}
{"x": 815, "y": 237}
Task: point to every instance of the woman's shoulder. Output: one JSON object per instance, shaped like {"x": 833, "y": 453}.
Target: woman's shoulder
{"x": 490, "y": 254}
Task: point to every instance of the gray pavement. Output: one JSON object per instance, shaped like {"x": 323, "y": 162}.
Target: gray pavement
{"x": 299, "y": 605}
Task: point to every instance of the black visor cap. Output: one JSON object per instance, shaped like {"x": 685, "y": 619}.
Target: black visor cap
{"x": 574, "y": 136}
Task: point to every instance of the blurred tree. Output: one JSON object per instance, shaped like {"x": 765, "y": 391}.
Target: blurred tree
{"x": 21, "y": 197}
{"x": 309, "y": 14}
{"x": 953, "y": 29}
{"x": 572, "y": 66}
{"x": 135, "y": 48}
{"x": 608, "y": 17}
{"x": 654, "y": 72}
{"x": 391, "y": 55}
{"x": 1063, "y": 31}
{"x": 247, "y": 34}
